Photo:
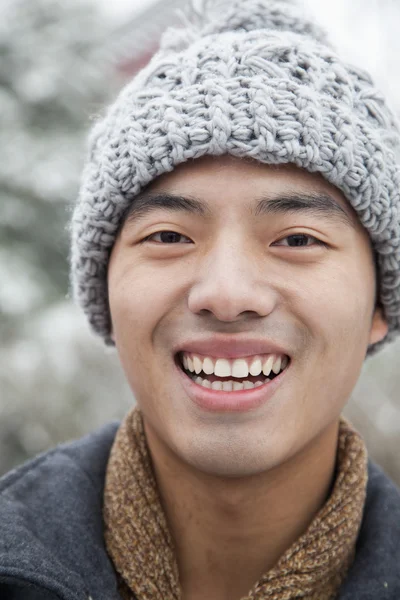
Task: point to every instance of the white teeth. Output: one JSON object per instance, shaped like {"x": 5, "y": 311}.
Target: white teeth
{"x": 208, "y": 366}
{"x": 255, "y": 367}
{"x": 267, "y": 366}
{"x": 240, "y": 368}
{"x": 216, "y": 385}
{"x": 277, "y": 365}
{"x": 222, "y": 368}
{"x": 198, "y": 365}
{"x": 238, "y": 385}
{"x": 227, "y": 386}
{"x": 248, "y": 385}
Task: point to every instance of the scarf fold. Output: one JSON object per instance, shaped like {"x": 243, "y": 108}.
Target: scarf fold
{"x": 140, "y": 544}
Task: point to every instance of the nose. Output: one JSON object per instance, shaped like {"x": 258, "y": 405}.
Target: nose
{"x": 231, "y": 284}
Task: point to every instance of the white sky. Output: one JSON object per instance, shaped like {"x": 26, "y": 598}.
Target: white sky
{"x": 120, "y": 8}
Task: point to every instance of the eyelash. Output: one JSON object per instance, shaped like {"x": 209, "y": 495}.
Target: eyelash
{"x": 317, "y": 242}
{"x": 293, "y": 235}
{"x": 148, "y": 238}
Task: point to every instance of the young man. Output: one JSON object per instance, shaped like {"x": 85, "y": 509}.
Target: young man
{"x": 237, "y": 238}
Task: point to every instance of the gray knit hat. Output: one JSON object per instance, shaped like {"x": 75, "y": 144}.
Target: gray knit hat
{"x": 249, "y": 78}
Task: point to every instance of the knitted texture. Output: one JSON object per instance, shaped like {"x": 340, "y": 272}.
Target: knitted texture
{"x": 141, "y": 547}
{"x": 249, "y": 78}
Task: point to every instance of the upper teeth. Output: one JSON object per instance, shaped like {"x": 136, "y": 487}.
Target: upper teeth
{"x": 239, "y": 367}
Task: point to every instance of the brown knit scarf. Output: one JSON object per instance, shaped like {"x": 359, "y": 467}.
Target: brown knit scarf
{"x": 140, "y": 544}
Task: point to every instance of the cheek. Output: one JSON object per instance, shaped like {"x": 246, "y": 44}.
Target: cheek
{"x": 335, "y": 305}
{"x": 142, "y": 302}
{"x": 336, "y": 301}
{"x": 138, "y": 298}
{"x": 352, "y": 299}
{"x": 131, "y": 312}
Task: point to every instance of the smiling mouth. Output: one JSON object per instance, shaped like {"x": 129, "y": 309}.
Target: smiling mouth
{"x": 232, "y": 375}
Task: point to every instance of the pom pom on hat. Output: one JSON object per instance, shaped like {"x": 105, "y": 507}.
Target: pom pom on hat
{"x": 219, "y": 16}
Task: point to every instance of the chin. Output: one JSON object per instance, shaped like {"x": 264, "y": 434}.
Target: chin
{"x": 231, "y": 453}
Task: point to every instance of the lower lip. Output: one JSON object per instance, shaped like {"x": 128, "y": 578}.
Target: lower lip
{"x": 238, "y": 401}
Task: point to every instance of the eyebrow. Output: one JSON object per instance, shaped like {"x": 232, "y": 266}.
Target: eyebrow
{"x": 145, "y": 204}
{"x": 313, "y": 203}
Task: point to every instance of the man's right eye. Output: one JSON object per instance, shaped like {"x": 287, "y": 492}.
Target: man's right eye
{"x": 167, "y": 237}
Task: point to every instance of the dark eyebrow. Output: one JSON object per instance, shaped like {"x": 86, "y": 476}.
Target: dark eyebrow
{"x": 314, "y": 203}
{"x": 146, "y": 203}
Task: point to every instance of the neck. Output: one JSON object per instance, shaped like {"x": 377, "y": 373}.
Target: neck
{"x": 229, "y": 532}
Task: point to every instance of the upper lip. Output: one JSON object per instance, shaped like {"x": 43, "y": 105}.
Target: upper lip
{"x": 230, "y": 347}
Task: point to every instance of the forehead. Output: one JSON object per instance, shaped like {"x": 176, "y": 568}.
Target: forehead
{"x": 230, "y": 181}
{"x": 219, "y": 175}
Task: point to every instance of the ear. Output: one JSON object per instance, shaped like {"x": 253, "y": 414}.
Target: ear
{"x": 379, "y": 326}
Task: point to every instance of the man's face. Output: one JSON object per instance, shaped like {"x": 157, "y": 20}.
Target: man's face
{"x": 239, "y": 279}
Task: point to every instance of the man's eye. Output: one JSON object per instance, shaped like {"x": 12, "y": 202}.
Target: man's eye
{"x": 167, "y": 237}
{"x": 298, "y": 240}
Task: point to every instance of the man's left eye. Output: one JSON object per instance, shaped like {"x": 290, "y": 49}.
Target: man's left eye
{"x": 297, "y": 240}
{"x": 167, "y": 237}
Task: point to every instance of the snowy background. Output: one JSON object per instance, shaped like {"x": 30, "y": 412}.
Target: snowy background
{"x": 61, "y": 63}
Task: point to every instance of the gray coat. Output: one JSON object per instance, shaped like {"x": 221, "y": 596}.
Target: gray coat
{"x": 51, "y": 530}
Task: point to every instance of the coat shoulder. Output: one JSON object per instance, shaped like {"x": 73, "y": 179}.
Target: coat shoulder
{"x": 89, "y": 454}
{"x": 375, "y": 571}
{"x": 46, "y": 505}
